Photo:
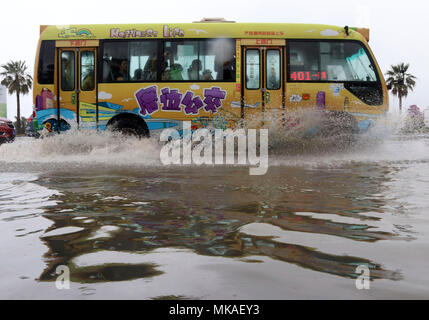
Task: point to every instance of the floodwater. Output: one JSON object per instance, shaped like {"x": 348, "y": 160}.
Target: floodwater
{"x": 127, "y": 227}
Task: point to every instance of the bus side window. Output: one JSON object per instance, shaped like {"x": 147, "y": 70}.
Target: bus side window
{"x": 67, "y": 70}
{"x": 115, "y": 61}
{"x": 181, "y": 61}
{"x": 273, "y": 70}
{"x": 87, "y": 70}
{"x": 252, "y": 69}
{"x": 200, "y": 60}
{"x": 322, "y": 60}
{"x": 45, "y": 74}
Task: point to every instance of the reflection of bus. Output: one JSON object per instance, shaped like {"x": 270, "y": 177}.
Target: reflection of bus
{"x": 146, "y": 77}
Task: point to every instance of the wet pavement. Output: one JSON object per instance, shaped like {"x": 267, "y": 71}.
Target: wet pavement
{"x": 127, "y": 227}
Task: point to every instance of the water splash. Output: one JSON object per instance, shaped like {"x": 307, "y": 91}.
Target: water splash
{"x": 88, "y": 147}
{"x": 291, "y": 143}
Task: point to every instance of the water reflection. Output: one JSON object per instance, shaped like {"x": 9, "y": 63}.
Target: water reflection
{"x": 207, "y": 210}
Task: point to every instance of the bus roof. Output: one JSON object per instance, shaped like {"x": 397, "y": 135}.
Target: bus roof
{"x": 206, "y": 29}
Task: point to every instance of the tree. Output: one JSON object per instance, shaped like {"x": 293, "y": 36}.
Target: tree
{"x": 16, "y": 79}
{"x": 399, "y": 81}
{"x": 20, "y": 127}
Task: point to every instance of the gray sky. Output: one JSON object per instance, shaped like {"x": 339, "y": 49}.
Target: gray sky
{"x": 398, "y": 28}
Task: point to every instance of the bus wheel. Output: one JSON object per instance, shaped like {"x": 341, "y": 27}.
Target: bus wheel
{"x": 341, "y": 127}
{"x": 129, "y": 127}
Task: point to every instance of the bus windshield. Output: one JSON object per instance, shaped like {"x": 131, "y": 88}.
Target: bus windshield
{"x": 329, "y": 61}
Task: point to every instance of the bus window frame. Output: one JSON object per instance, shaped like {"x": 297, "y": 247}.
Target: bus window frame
{"x": 75, "y": 77}
{"x": 161, "y": 46}
{"x": 261, "y": 57}
{"x": 362, "y": 44}
{"x": 100, "y": 61}
{"x": 81, "y": 81}
{"x": 280, "y": 68}
{"x": 40, "y": 62}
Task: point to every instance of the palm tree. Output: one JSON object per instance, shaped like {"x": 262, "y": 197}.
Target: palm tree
{"x": 399, "y": 81}
{"x": 16, "y": 80}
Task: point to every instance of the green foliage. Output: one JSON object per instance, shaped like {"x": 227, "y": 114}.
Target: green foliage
{"x": 16, "y": 79}
{"x": 400, "y": 81}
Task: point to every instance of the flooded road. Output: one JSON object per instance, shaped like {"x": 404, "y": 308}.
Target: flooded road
{"x": 127, "y": 227}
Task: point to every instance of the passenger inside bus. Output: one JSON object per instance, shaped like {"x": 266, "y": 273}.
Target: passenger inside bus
{"x": 170, "y": 70}
{"x": 228, "y": 70}
{"x": 138, "y": 74}
{"x": 176, "y": 72}
{"x": 67, "y": 73}
{"x": 150, "y": 68}
{"x": 121, "y": 74}
{"x": 173, "y": 73}
{"x": 88, "y": 82}
{"x": 207, "y": 75}
{"x": 194, "y": 70}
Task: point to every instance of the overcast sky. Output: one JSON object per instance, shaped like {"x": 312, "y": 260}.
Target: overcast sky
{"x": 398, "y": 28}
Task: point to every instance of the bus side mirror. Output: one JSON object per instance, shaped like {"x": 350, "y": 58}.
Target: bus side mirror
{"x": 389, "y": 86}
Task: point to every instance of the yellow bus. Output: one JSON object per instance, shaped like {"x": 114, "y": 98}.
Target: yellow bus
{"x": 142, "y": 78}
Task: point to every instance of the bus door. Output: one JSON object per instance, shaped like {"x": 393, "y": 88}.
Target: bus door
{"x": 77, "y": 85}
{"x": 263, "y": 72}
